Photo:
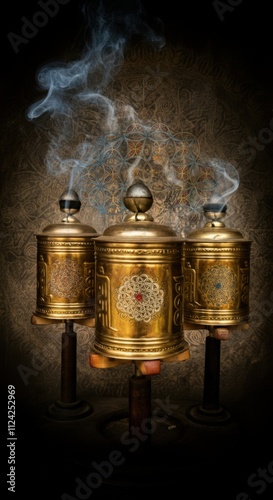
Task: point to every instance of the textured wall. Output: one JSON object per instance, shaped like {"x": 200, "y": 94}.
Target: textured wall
{"x": 192, "y": 104}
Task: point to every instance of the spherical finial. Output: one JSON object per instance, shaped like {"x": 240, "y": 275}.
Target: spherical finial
{"x": 70, "y": 202}
{"x": 138, "y": 198}
{"x": 214, "y": 211}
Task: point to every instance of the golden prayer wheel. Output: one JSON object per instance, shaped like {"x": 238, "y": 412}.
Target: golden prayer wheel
{"x": 138, "y": 285}
{"x": 66, "y": 266}
{"x": 216, "y": 268}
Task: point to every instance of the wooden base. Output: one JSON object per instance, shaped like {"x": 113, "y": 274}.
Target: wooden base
{"x": 69, "y": 412}
{"x": 146, "y": 367}
{"x": 214, "y": 416}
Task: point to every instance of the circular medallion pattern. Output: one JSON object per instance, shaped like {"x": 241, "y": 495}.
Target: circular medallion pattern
{"x": 218, "y": 286}
{"x": 140, "y": 297}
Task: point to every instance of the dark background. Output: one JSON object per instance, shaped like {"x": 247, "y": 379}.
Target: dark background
{"x": 248, "y": 28}
{"x": 247, "y": 24}
{"x": 244, "y": 27}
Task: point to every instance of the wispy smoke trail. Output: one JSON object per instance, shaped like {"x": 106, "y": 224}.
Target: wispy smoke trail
{"x": 226, "y": 180}
{"x": 101, "y": 59}
{"x": 72, "y": 87}
{"x": 85, "y": 122}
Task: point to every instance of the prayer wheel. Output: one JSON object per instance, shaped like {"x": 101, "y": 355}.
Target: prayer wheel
{"x": 216, "y": 268}
{"x": 66, "y": 266}
{"x": 138, "y": 313}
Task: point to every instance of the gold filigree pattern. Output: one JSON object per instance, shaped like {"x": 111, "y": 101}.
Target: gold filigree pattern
{"x": 66, "y": 279}
{"x": 211, "y": 110}
{"x": 140, "y": 298}
{"x": 218, "y": 286}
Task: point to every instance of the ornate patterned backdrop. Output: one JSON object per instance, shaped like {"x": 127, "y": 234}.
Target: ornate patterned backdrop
{"x": 193, "y": 111}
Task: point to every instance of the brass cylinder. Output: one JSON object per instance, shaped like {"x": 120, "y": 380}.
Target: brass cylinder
{"x": 66, "y": 266}
{"x": 138, "y": 286}
{"x": 216, "y": 268}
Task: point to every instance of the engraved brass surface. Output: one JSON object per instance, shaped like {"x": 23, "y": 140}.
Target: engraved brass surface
{"x": 66, "y": 269}
{"x": 139, "y": 291}
{"x": 216, "y": 268}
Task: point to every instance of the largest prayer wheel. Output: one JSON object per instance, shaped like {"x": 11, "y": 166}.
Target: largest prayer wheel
{"x": 66, "y": 266}
{"x": 138, "y": 285}
{"x": 216, "y": 265}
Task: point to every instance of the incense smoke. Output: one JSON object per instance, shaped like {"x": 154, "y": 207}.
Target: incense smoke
{"x": 72, "y": 88}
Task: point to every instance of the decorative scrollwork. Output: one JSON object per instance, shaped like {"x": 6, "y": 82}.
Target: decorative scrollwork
{"x": 140, "y": 297}
{"x": 218, "y": 286}
{"x": 66, "y": 279}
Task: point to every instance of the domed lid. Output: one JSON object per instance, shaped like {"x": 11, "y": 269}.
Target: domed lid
{"x": 138, "y": 225}
{"x": 215, "y": 229}
{"x": 69, "y": 226}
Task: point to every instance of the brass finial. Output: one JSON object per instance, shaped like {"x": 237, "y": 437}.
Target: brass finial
{"x": 138, "y": 198}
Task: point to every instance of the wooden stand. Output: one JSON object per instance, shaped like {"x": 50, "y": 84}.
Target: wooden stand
{"x": 140, "y": 412}
{"x": 68, "y": 407}
{"x": 211, "y": 412}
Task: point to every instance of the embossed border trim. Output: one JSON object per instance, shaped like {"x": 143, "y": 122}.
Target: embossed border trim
{"x": 215, "y": 249}
{"x": 66, "y": 243}
{"x": 138, "y": 251}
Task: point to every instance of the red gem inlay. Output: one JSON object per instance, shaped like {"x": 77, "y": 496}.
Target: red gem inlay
{"x": 138, "y": 297}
